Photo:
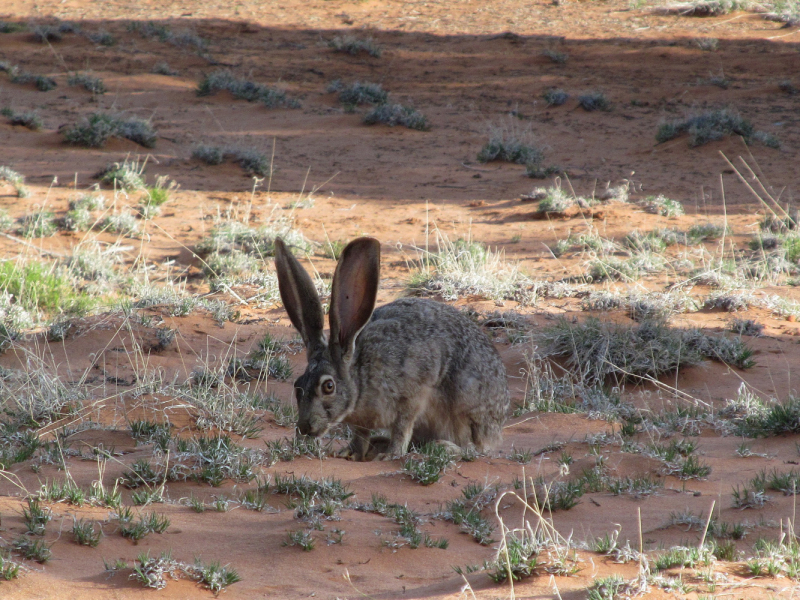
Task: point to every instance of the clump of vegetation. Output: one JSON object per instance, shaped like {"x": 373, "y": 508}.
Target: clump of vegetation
{"x": 43, "y": 83}
{"x": 711, "y": 126}
{"x": 594, "y": 101}
{"x": 11, "y": 27}
{"x": 431, "y": 464}
{"x": 465, "y": 267}
{"x": 163, "y": 68}
{"x": 223, "y": 79}
{"x": 90, "y": 83}
{"x": 250, "y": 160}
{"x": 704, "y": 232}
{"x": 707, "y": 44}
{"x": 102, "y": 38}
{"x": 17, "y": 180}
{"x": 96, "y": 129}
{"x": 560, "y": 58}
{"x": 350, "y": 44}
{"x": 126, "y": 176}
{"x": 359, "y": 93}
{"x": 39, "y": 224}
{"x": 211, "y": 155}
{"x": 29, "y": 119}
{"x": 555, "y": 97}
{"x": 554, "y": 200}
{"x": 511, "y": 144}
{"x": 397, "y": 114}
{"x": 597, "y": 350}
{"x": 661, "y": 205}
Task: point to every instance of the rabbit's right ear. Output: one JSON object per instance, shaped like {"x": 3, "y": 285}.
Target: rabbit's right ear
{"x": 300, "y": 298}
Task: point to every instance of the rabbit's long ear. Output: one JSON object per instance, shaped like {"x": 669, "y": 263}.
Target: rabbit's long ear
{"x": 355, "y": 286}
{"x": 300, "y": 298}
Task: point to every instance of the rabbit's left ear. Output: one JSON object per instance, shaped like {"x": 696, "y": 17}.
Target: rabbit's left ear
{"x": 355, "y": 287}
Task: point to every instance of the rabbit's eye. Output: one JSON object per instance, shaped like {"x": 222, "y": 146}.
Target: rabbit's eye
{"x": 328, "y": 386}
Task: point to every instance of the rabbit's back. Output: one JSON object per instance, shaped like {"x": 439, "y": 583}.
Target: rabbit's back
{"x": 425, "y": 358}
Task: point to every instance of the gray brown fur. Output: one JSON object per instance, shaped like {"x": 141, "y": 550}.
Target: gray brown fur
{"x": 418, "y": 368}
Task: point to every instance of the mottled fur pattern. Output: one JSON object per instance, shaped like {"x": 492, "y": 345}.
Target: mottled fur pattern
{"x": 417, "y": 368}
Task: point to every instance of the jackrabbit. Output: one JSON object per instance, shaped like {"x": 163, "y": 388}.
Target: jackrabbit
{"x": 418, "y": 368}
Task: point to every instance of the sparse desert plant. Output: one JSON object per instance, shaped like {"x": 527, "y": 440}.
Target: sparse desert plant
{"x": 39, "y": 224}
{"x": 90, "y": 83}
{"x": 511, "y": 144}
{"x": 102, "y": 38}
{"x": 43, "y": 83}
{"x": 431, "y": 464}
{"x": 591, "y": 101}
{"x": 704, "y": 232}
{"x": 211, "y": 155}
{"x": 163, "y": 68}
{"x": 465, "y": 267}
{"x": 746, "y": 327}
{"x": 156, "y": 196}
{"x": 595, "y": 350}
{"x": 16, "y": 180}
{"x": 555, "y": 97}
{"x": 560, "y": 58}
{"x": 244, "y": 89}
{"x": 301, "y": 538}
{"x": 123, "y": 222}
{"x": 554, "y": 200}
{"x": 31, "y": 549}
{"x": 85, "y": 533}
{"x": 11, "y": 27}
{"x": 353, "y": 45}
{"x": 359, "y": 93}
{"x": 29, "y": 119}
{"x": 96, "y": 129}
{"x": 127, "y": 175}
{"x": 707, "y": 44}
{"x": 397, "y": 114}
{"x": 661, "y": 205}
{"x": 711, "y": 126}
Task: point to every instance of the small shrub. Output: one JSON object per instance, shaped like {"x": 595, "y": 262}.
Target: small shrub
{"x": 244, "y": 89}
{"x": 85, "y": 533}
{"x": 102, "y": 38}
{"x": 352, "y": 45}
{"x": 434, "y": 459}
{"x": 555, "y": 97}
{"x": 512, "y": 145}
{"x": 661, "y": 205}
{"x": 707, "y": 44}
{"x": 211, "y": 155}
{"x": 397, "y": 114}
{"x": 560, "y": 58}
{"x": 38, "y": 225}
{"x": 594, "y": 101}
{"x": 163, "y": 68}
{"x": 11, "y": 27}
{"x": 96, "y": 129}
{"x": 708, "y": 127}
{"x": 16, "y": 180}
{"x": 90, "y": 83}
{"x": 362, "y": 93}
{"x": 27, "y": 119}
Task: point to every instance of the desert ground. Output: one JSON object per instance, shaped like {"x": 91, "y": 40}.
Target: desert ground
{"x": 607, "y": 188}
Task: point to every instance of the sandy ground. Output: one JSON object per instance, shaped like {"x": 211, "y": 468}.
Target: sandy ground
{"x": 466, "y": 65}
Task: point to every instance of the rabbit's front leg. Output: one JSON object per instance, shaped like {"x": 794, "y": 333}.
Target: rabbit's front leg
{"x": 358, "y": 447}
{"x": 401, "y": 431}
